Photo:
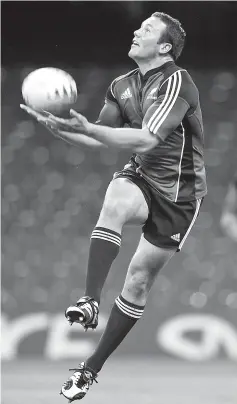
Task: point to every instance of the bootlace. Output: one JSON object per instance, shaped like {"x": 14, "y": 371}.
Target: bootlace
{"x": 80, "y": 373}
{"x": 92, "y": 309}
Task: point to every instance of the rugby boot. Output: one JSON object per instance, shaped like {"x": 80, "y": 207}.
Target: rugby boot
{"x": 76, "y": 387}
{"x": 85, "y": 312}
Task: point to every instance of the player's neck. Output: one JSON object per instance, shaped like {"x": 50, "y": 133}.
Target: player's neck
{"x": 145, "y": 66}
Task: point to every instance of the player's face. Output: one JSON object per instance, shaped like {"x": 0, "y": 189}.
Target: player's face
{"x": 145, "y": 43}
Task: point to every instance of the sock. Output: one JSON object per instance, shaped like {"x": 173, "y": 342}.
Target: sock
{"x": 104, "y": 248}
{"x": 123, "y": 317}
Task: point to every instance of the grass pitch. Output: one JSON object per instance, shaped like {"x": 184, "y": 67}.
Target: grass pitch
{"x": 128, "y": 381}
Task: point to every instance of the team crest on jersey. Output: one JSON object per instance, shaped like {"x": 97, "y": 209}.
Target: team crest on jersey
{"x": 151, "y": 95}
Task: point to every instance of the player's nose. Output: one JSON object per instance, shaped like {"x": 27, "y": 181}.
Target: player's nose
{"x": 137, "y": 33}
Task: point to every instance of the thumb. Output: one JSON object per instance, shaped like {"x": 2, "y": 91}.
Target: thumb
{"x": 74, "y": 113}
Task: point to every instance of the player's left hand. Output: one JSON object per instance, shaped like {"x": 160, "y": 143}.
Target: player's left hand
{"x": 82, "y": 125}
{"x": 78, "y": 123}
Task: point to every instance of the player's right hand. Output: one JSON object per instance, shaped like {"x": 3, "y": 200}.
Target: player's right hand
{"x": 40, "y": 117}
{"x": 53, "y": 123}
{"x": 45, "y": 118}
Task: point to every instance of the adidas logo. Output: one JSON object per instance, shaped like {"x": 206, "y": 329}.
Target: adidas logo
{"x": 176, "y": 237}
{"x": 127, "y": 94}
{"x": 151, "y": 95}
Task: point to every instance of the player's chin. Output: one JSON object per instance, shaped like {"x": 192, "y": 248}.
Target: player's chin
{"x": 132, "y": 53}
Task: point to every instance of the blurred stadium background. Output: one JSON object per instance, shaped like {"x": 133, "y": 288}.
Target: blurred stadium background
{"x": 51, "y": 198}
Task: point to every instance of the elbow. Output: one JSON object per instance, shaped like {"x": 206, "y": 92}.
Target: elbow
{"x": 141, "y": 149}
{"x": 145, "y": 146}
{"x": 146, "y": 142}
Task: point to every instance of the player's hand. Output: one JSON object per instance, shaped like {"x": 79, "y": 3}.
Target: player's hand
{"x": 59, "y": 126}
{"x": 53, "y": 123}
{"x": 82, "y": 125}
{"x": 44, "y": 117}
{"x": 77, "y": 124}
{"x": 40, "y": 117}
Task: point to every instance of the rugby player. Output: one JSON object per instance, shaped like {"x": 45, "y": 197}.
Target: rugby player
{"x": 161, "y": 188}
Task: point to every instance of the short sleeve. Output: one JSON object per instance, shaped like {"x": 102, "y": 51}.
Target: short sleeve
{"x": 110, "y": 96}
{"x": 175, "y": 98}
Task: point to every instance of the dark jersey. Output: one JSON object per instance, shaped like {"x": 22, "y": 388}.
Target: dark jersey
{"x": 166, "y": 101}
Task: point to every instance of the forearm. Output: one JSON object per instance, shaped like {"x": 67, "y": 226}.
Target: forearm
{"x": 136, "y": 140}
{"x": 77, "y": 139}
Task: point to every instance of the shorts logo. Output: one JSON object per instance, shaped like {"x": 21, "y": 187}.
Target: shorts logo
{"x": 176, "y": 237}
{"x": 151, "y": 95}
{"x": 126, "y": 94}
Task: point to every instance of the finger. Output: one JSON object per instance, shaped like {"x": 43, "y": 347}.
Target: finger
{"x": 32, "y": 112}
{"x": 65, "y": 132}
{"x": 55, "y": 118}
{"x": 23, "y": 106}
{"x": 46, "y": 118}
{"x": 51, "y": 129}
{"x": 50, "y": 123}
{"x": 48, "y": 114}
{"x": 74, "y": 113}
{"x": 52, "y": 118}
{"x": 29, "y": 110}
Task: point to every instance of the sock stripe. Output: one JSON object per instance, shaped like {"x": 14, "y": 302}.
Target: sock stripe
{"x": 129, "y": 306}
{"x": 128, "y": 313}
{"x": 106, "y": 239}
{"x": 106, "y": 233}
{"x": 128, "y": 310}
{"x": 114, "y": 233}
{"x": 106, "y": 236}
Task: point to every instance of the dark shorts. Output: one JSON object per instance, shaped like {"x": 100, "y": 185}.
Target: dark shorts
{"x": 168, "y": 223}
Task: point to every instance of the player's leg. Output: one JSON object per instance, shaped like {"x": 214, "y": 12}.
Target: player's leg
{"x": 124, "y": 202}
{"x": 129, "y": 306}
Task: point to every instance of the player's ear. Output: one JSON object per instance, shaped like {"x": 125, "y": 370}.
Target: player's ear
{"x": 165, "y": 47}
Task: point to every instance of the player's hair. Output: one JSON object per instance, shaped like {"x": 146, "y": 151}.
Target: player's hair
{"x": 173, "y": 34}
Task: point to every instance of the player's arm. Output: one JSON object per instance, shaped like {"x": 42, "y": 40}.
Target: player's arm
{"x": 110, "y": 115}
{"x": 66, "y": 129}
{"x": 57, "y": 126}
{"x": 162, "y": 118}
{"x": 228, "y": 219}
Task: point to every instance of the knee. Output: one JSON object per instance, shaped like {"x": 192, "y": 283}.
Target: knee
{"x": 115, "y": 208}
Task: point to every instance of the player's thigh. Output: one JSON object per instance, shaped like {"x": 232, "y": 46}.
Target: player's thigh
{"x": 125, "y": 199}
{"x": 146, "y": 263}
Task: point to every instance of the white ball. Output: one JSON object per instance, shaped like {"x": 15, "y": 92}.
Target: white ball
{"x": 50, "y": 89}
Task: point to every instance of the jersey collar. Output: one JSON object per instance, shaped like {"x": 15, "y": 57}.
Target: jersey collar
{"x": 150, "y": 73}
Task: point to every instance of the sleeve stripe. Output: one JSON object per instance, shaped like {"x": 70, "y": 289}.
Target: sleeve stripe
{"x": 166, "y": 105}
{"x": 162, "y": 104}
{"x": 172, "y": 103}
{"x": 169, "y": 100}
{"x": 180, "y": 162}
{"x": 171, "y": 95}
{"x": 111, "y": 88}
